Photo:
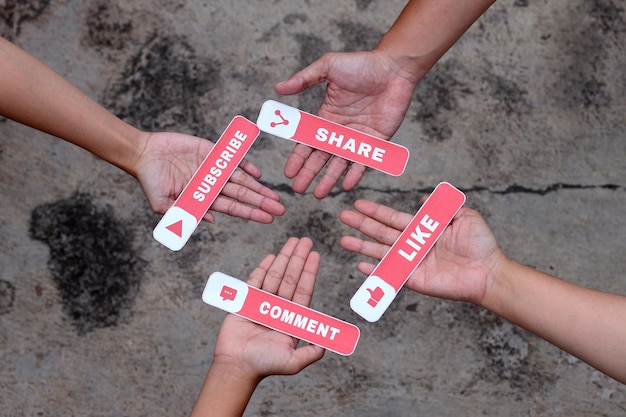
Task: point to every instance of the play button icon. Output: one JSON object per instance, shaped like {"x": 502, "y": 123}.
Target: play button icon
{"x": 175, "y": 228}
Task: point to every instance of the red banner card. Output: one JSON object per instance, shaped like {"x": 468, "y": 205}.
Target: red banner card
{"x": 408, "y": 251}
{"x": 180, "y": 220}
{"x": 290, "y": 123}
{"x": 277, "y": 313}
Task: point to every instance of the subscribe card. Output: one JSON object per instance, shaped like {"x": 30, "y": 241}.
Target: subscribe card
{"x": 379, "y": 289}
{"x": 237, "y": 297}
{"x": 180, "y": 221}
{"x": 290, "y": 123}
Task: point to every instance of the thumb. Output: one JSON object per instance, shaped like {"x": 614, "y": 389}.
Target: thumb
{"x": 304, "y": 356}
{"x": 365, "y": 267}
{"x": 305, "y": 78}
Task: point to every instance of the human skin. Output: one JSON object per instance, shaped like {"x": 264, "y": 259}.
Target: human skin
{"x": 245, "y": 353}
{"x": 466, "y": 264}
{"x": 33, "y": 94}
{"x": 371, "y": 91}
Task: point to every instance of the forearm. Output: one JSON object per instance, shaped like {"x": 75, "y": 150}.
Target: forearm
{"x": 586, "y": 323}
{"x": 426, "y": 29}
{"x": 225, "y": 393}
{"x": 33, "y": 94}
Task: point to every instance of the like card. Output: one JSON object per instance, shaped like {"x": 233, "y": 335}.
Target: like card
{"x": 379, "y": 289}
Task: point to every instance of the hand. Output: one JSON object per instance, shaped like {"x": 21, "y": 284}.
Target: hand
{"x": 366, "y": 91}
{"x": 458, "y": 267}
{"x": 255, "y": 350}
{"x": 246, "y": 352}
{"x": 168, "y": 161}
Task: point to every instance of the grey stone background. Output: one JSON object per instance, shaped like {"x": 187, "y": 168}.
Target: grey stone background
{"x": 526, "y": 114}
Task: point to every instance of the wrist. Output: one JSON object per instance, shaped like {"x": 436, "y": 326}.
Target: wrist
{"x": 226, "y": 391}
{"x": 497, "y": 283}
{"x": 406, "y": 63}
{"x": 130, "y": 146}
{"x": 426, "y": 29}
{"x": 504, "y": 287}
{"x": 232, "y": 376}
{"x": 233, "y": 370}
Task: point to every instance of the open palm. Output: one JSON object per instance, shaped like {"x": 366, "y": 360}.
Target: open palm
{"x": 170, "y": 159}
{"x": 366, "y": 91}
{"x": 458, "y": 265}
{"x": 257, "y": 349}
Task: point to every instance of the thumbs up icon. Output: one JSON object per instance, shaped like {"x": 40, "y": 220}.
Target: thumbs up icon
{"x": 375, "y": 295}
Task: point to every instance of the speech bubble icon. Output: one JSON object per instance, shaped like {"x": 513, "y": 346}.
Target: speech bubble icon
{"x": 228, "y": 293}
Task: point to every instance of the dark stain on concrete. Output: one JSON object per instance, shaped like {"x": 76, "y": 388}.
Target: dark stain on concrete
{"x": 321, "y": 226}
{"x": 435, "y": 97}
{"x": 311, "y": 48}
{"x": 363, "y": 4}
{"x": 7, "y": 296}
{"x": 582, "y": 82}
{"x": 293, "y": 18}
{"x": 92, "y": 261}
{"x": 358, "y": 37}
{"x": 14, "y": 12}
{"x": 508, "y": 351}
{"x": 162, "y": 87}
{"x": 507, "y": 93}
{"x": 609, "y": 15}
{"x": 108, "y": 26}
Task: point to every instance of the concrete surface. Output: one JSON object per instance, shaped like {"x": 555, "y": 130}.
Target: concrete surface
{"x": 526, "y": 114}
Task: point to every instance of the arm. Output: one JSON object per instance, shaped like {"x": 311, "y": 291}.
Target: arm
{"x": 246, "y": 352}
{"x": 586, "y": 323}
{"x": 467, "y": 264}
{"x": 426, "y": 29}
{"x": 371, "y": 90}
{"x": 33, "y": 94}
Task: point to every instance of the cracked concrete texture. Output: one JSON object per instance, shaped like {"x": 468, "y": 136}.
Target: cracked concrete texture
{"x": 525, "y": 114}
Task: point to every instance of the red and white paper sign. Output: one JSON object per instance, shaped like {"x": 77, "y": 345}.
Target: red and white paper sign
{"x": 379, "y": 289}
{"x": 290, "y": 123}
{"x": 180, "y": 220}
{"x": 277, "y": 313}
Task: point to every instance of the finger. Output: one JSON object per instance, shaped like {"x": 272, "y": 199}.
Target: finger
{"x": 250, "y": 168}
{"x": 250, "y": 182}
{"x": 309, "y": 76}
{"x": 364, "y": 247}
{"x": 304, "y": 291}
{"x": 295, "y": 266}
{"x": 296, "y": 160}
{"x": 257, "y": 276}
{"x": 365, "y": 268}
{"x": 353, "y": 176}
{"x": 236, "y": 209}
{"x": 276, "y": 271}
{"x": 386, "y": 215}
{"x": 334, "y": 171}
{"x": 312, "y": 166}
{"x": 245, "y": 195}
{"x": 369, "y": 227}
{"x": 209, "y": 217}
{"x": 238, "y": 201}
{"x": 303, "y": 357}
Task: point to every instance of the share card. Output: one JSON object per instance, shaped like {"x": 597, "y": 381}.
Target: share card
{"x": 290, "y": 123}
